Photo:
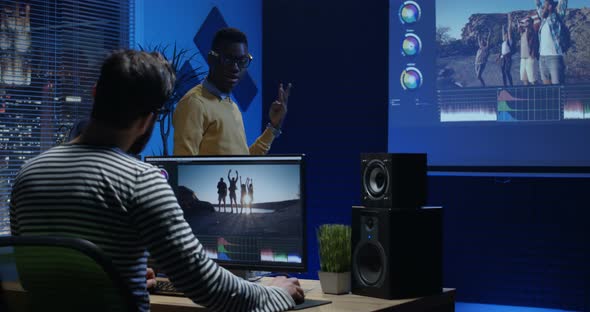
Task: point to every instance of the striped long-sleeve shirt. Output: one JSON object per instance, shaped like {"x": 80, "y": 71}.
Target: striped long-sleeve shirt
{"x": 126, "y": 207}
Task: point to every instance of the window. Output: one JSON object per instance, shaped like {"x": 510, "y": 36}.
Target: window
{"x": 50, "y": 56}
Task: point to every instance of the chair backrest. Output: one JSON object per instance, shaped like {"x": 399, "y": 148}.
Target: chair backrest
{"x": 44, "y": 273}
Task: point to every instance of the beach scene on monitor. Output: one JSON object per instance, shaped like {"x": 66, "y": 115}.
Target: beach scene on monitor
{"x": 254, "y": 207}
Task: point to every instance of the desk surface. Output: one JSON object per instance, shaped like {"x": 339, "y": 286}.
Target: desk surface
{"x": 444, "y": 302}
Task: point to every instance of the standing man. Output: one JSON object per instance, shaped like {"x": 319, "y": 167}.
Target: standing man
{"x": 551, "y": 63}
{"x": 207, "y": 122}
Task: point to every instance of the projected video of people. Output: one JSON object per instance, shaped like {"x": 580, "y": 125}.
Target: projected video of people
{"x": 537, "y": 44}
{"x": 532, "y": 42}
{"x": 490, "y": 83}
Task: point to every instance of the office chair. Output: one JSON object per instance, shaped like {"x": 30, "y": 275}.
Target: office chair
{"x": 44, "y": 273}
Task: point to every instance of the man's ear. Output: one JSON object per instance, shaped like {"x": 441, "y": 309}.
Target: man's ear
{"x": 144, "y": 123}
{"x": 94, "y": 91}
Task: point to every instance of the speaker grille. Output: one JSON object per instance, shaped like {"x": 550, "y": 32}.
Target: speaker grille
{"x": 369, "y": 263}
{"x": 376, "y": 179}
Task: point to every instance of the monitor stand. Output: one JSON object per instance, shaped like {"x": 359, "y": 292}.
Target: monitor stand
{"x": 249, "y": 275}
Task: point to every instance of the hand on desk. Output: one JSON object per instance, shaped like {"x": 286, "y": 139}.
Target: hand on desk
{"x": 291, "y": 285}
{"x": 150, "y": 278}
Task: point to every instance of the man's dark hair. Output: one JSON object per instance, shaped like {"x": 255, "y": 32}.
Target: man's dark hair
{"x": 226, "y": 36}
{"x": 132, "y": 84}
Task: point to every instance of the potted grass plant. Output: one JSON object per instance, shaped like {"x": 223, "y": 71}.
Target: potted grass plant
{"x": 334, "y": 251}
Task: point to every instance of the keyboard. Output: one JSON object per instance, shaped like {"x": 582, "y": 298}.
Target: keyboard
{"x": 165, "y": 288}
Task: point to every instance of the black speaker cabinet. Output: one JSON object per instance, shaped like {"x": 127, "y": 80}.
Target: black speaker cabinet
{"x": 397, "y": 253}
{"x": 393, "y": 180}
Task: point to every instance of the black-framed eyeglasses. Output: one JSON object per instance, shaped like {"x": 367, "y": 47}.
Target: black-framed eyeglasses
{"x": 242, "y": 62}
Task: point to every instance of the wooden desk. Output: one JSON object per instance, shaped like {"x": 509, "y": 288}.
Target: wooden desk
{"x": 444, "y": 302}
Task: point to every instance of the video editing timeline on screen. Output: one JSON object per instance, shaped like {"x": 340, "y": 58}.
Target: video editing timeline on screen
{"x": 531, "y": 103}
{"x": 578, "y": 105}
{"x": 250, "y": 249}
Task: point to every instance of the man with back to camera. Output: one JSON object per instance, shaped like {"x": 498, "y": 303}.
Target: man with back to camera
{"x": 551, "y": 52}
{"x": 124, "y": 205}
{"x": 206, "y": 121}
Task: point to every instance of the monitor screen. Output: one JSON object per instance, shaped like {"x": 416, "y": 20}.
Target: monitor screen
{"x": 490, "y": 83}
{"x": 247, "y": 211}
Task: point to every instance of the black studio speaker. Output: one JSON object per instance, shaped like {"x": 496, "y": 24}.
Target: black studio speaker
{"x": 393, "y": 180}
{"x": 397, "y": 253}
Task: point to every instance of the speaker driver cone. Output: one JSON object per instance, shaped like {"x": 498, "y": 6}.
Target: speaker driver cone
{"x": 369, "y": 264}
{"x": 376, "y": 179}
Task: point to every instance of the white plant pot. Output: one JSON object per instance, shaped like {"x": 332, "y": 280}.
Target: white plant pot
{"x": 335, "y": 283}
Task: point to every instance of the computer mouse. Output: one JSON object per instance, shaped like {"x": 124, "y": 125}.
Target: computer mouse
{"x": 299, "y": 300}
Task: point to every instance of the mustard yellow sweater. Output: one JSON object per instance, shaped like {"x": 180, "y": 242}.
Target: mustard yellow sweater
{"x": 204, "y": 124}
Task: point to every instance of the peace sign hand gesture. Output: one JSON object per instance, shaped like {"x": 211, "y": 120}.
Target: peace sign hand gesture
{"x": 278, "y": 108}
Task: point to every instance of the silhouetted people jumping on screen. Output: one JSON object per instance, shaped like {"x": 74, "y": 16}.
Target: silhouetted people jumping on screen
{"x": 481, "y": 58}
{"x": 232, "y": 191}
{"x": 243, "y": 193}
{"x": 505, "y": 56}
{"x": 551, "y": 43}
{"x": 529, "y": 51}
{"x": 222, "y": 192}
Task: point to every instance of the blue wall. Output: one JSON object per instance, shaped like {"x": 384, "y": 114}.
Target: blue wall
{"x": 169, "y": 22}
{"x": 335, "y": 53}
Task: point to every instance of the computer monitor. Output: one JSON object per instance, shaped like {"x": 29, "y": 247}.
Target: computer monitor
{"x": 262, "y": 225}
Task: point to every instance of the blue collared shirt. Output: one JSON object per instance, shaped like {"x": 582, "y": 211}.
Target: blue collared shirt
{"x": 555, "y": 21}
{"x": 213, "y": 89}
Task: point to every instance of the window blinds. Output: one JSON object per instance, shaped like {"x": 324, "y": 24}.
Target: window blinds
{"x": 50, "y": 56}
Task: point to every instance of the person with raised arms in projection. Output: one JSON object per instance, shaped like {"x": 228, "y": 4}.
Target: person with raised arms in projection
{"x": 529, "y": 51}
{"x": 232, "y": 191}
{"x": 222, "y": 194}
{"x": 250, "y": 193}
{"x": 481, "y": 57}
{"x": 552, "y": 40}
{"x": 243, "y": 194}
{"x": 505, "y": 56}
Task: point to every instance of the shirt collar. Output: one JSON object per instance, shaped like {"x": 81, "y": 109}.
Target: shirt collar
{"x": 213, "y": 89}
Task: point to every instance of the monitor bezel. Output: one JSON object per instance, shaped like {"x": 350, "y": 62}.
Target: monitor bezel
{"x": 275, "y": 158}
